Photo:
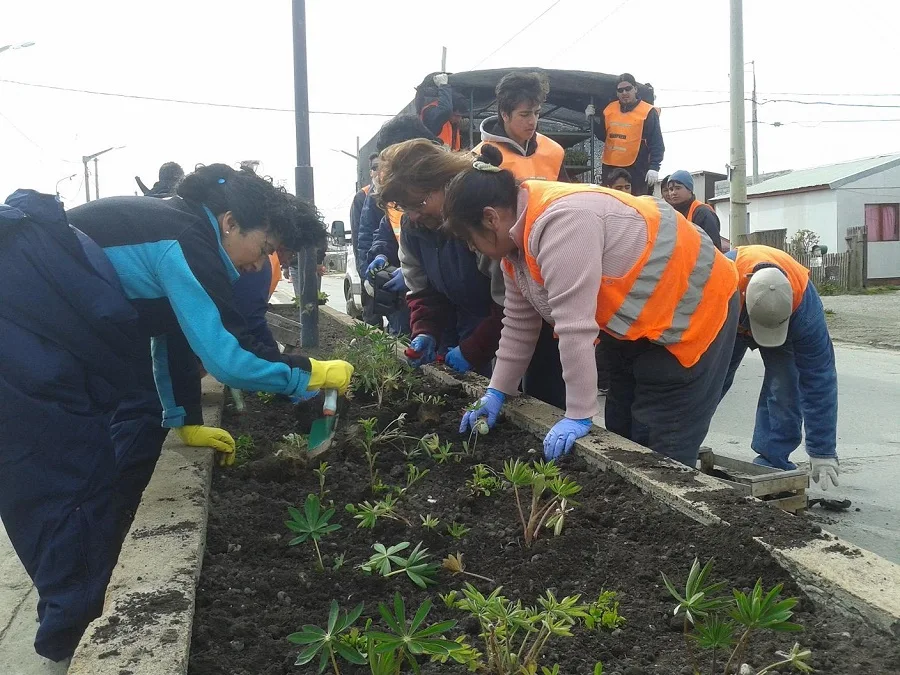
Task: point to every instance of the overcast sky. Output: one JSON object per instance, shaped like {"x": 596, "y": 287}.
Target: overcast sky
{"x": 366, "y": 57}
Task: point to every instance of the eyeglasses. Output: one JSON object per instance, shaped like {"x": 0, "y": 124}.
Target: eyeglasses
{"x": 412, "y": 208}
{"x": 624, "y": 90}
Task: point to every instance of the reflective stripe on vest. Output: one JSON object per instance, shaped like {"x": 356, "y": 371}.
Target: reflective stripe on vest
{"x": 624, "y": 131}
{"x": 675, "y": 295}
{"x": 749, "y": 257}
{"x": 545, "y": 162}
{"x": 449, "y": 134}
{"x": 394, "y": 218}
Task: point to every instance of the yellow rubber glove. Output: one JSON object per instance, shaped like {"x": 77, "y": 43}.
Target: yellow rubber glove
{"x": 209, "y": 437}
{"x": 329, "y": 375}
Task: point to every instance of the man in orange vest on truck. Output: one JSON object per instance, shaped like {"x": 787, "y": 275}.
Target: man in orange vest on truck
{"x": 782, "y": 315}
{"x": 678, "y": 190}
{"x": 442, "y": 116}
{"x": 631, "y": 135}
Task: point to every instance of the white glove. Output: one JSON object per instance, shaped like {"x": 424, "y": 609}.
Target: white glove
{"x": 590, "y": 111}
{"x": 652, "y": 178}
{"x": 824, "y": 470}
{"x": 440, "y": 79}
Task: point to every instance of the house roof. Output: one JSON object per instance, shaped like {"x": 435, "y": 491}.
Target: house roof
{"x": 830, "y": 176}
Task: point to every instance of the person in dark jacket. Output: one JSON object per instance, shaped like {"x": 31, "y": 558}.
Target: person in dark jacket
{"x": 455, "y": 296}
{"x": 356, "y": 208}
{"x": 631, "y": 134}
{"x": 618, "y": 179}
{"x": 88, "y": 317}
{"x": 170, "y": 174}
{"x": 443, "y": 114}
{"x": 679, "y": 192}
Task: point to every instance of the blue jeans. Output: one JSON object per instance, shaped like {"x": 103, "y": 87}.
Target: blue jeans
{"x": 799, "y": 387}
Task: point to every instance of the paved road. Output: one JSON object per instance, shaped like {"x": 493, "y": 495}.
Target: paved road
{"x": 868, "y": 442}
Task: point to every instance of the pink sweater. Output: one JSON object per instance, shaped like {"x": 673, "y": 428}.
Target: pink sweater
{"x": 576, "y": 241}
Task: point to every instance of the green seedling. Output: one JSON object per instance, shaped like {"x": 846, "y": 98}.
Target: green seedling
{"x": 430, "y": 443}
{"x": 312, "y": 523}
{"x": 429, "y": 522}
{"x": 484, "y": 481}
{"x": 604, "y": 613}
{"x": 444, "y": 454}
{"x": 454, "y": 564}
{"x": 243, "y": 449}
{"x": 430, "y": 399}
{"x": 321, "y": 472}
{"x": 338, "y": 561}
{"x": 407, "y": 639}
{"x": 322, "y": 295}
{"x": 368, "y": 514}
{"x": 551, "y": 493}
{"x": 384, "y": 561}
{"x": 371, "y": 438}
{"x": 265, "y": 397}
{"x": 458, "y": 530}
{"x": 327, "y": 642}
{"x": 413, "y": 475}
{"x": 377, "y": 370}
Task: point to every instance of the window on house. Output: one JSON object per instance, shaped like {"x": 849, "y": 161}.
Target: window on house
{"x": 883, "y": 222}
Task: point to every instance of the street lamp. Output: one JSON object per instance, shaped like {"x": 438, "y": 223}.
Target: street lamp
{"x": 61, "y": 180}
{"x": 18, "y": 46}
{"x": 87, "y": 174}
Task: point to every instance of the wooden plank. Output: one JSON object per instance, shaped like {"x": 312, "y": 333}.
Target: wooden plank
{"x": 791, "y": 504}
{"x": 778, "y": 475}
{"x": 773, "y": 487}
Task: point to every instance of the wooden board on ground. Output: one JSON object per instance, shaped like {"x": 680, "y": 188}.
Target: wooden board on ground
{"x": 784, "y": 489}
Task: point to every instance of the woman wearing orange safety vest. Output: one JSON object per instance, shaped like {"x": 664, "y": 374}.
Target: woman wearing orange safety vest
{"x": 586, "y": 258}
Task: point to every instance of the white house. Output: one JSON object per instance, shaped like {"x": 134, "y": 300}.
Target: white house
{"x": 828, "y": 200}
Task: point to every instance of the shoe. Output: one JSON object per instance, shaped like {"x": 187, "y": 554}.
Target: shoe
{"x": 762, "y": 461}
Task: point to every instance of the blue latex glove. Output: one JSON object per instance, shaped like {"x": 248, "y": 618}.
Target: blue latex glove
{"x": 562, "y": 436}
{"x": 457, "y": 361}
{"x": 379, "y": 263}
{"x": 489, "y": 406}
{"x": 421, "y": 351}
{"x": 397, "y": 284}
{"x": 305, "y": 396}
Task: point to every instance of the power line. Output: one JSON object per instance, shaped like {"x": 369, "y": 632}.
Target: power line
{"x": 831, "y": 103}
{"x": 516, "y": 34}
{"x": 590, "y": 30}
{"x": 189, "y": 102}
{"x": 783, "y": 93}
{"x": 797, "y": 122}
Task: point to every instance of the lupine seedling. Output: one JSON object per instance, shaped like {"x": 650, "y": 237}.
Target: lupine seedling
{"x": 265, "y": 397}
{"x": 371, "y": 438}
{"x": 328, "y": 641}
{"x": 604, "y": 613}
{"x": 377, "y": 369}
{"x": 368, "y": 514}
{"x": 413, "y": 475}
{"x": 243, "y": 449}
{"x": 383, "y": 561}
{"x": 312, "y": 523}
{"x": 549, "y": 490}
{"x": 458, "y": 530}
{"x": 454, "y": 564}
{"x": 484, "y": 481}
{"x": 429, "y": 522}
{"x": 429, "y": 399}
{"x": 320, "y": 474}
{"x": 338, "y": 561}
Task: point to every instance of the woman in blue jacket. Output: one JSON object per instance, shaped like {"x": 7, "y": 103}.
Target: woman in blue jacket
{"x": 91, "y": 311}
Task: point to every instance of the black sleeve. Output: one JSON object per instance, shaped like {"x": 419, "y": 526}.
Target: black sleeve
{"x": 356, "y": 208}
{"x": 653, "y": 138}
{"x": 600, "y": 126}
{"x": 438, "y": 115}
{"x": 706, "y": 219}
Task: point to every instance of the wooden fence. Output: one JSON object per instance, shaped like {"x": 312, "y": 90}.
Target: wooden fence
{"x": 831, "y": 270}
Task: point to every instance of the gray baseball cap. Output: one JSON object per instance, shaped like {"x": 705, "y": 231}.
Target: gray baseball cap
{"x": 770, "y": 303}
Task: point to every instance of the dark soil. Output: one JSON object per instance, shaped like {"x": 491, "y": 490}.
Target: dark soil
{"x": 255, "y": 590}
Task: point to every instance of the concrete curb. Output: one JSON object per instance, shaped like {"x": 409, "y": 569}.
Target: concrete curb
{"x": 861, "y": 584}
{"x": 148, "y": 616}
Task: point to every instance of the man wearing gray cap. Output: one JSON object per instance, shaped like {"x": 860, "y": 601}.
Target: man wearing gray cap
{"x": 782, "y": 315}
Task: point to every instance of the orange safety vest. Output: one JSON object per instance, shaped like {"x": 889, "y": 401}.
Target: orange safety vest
{"x": 449, "y": 134}
{"x": 694, "y": 206}
{"x": 366, "y": 188}
{"x": 276, "y": 272}
{"x": 677, "y": 293}
{"x": 545, "y": 162}
{"x": 748, "y": 257}
{"x": 394, "y": 217}
{"x": 623, "y": 133}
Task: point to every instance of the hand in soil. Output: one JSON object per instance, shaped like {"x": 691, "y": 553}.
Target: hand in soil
{"x": 487, "y": 406}
{"x": 560, "y": 439}
{"x": 199, "y": 436}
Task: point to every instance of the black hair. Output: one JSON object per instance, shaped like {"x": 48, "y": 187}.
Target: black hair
{"x": 517, "y": 88}
{"x": 615, "y": 175}
{"x": 372, "y": 156}
{"x": 401, "y": 128}
{"x": 296, "y": 222}
{"x": 627, "y": 77}
{"x": 220, "y": 188}
{"x": 474, "y": 189}
{"x": 460, "y": 103}
{"x": 170, "y": 173}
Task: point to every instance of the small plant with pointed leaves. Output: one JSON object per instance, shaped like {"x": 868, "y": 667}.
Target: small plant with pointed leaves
{"x": 327, "y": 642}
{"x": 377, "y": 370}
{"x": 484, "y": 481}
{"x": 321, "y": 472}
{"x": 713, "y": 619}
{"x": 387, "y": 562}
{"x": 371, "y": 438}
{"x": 551, "y": 493}
{"x": 458, "y": 530}
{"x": 604, "y": 613}
{"x": 296, "y": 441}
{"x": 311, "y": 524}
{"x": 265, "y": 397}
{"x": 429, "y": 399}
{"x": 368, "y": 513}
{"x": 429, "y": 522}
{"x": 455, "y": 565}
{"x": 338, "y": 561}
{"x": 244, "y": 448}
{"x": 413, "y": 475}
